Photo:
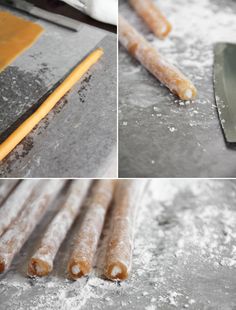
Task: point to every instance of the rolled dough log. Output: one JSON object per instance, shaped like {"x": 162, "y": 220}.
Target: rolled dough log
{"x": 41, "y": 263}
{"x": 85, "y": 245}
{"x": 152, "y": 16}
{"x": 20, "y": 230}
{"x": 154, "y": 62}
{"x": 119, "y": 252}
{"x": 16, "y": 202}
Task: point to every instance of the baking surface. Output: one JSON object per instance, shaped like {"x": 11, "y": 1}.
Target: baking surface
{"x": 161, "y": 136}
{"x": 184, "y": 257}
{"x": 77, "y": 141}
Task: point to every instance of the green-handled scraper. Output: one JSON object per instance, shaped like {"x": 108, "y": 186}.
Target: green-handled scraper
{"x": 225, "y": 88}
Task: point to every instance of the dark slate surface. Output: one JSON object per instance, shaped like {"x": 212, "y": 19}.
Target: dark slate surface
{"x": 161, "y": 136}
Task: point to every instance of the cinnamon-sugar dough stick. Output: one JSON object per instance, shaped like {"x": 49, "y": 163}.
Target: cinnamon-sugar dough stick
{"x": 81, "y": 260}
{"x": 119, "y": 252}
{"x": 154, "y": 62}
{"x": 6, "y": 187}
{"x": 16, "y": 202}
{"x": 41, "y": 263}
{"x": 20, "y": 230}
{"x": 152, "y": 16}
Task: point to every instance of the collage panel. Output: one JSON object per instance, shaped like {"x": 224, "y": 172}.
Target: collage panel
{"x": 58, "y": 95}
{"x": 117, "y": 147}
{"x": 176, "y": 88}
{"x": 68, "y": 245}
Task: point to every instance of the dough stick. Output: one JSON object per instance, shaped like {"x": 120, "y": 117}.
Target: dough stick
{"x": 155, "y": 62}
{"x": 41, "y": 263}
{"x": 152, "y": 16}
{"x": 86, "y": 242}
{"x": 19, "y": 231}
{"x": 24, "y": 129}
{"x": 15, "y": 203}
{"x": 5, "y": 189}
{"x": 120, "y": 247}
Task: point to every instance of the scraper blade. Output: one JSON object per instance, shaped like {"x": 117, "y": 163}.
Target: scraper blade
{"x": 225, "y": 88}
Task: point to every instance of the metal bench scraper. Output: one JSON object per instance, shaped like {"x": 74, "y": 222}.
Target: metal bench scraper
{"x": 225, "y": 88}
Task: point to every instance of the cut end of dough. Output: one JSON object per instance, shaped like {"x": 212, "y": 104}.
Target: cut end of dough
{"x": 39, "y": 268}
{"x": 78, "y": 268}
{"x": 188, "y": 94}
{"x": 163, "y": 29}
{"x": 115, "y": 271}
{"x": 75, "y": 270}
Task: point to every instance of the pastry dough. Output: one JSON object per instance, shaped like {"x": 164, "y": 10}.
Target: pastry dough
{"x": 16, "y": 35}
{"x": 120, "y": 247}
{"x": 20, "y": 230}
{"x": 85, "y": 245}
{"x": 152, "y": 16}
{"x": 25, "y": 128}
{"x": 41, "y": 263}
{"x": 15, "y": 203}
{"x": 154, "y": 62}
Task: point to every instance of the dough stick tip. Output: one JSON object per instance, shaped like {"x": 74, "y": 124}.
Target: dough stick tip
{"x": 79, "y": 269}
{"x": 165, "y": 30}
{"x": 189, "y": 93}
{"x": 116, "y": 271}
{"x": 38, "y": 267}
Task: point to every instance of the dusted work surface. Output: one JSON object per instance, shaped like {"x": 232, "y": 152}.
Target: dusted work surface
{"x": 78, "y": 141}
{"x": 161, "y": 136}
{"x": 184, "y": 257}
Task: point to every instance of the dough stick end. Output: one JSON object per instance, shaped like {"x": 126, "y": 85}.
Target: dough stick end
{"x": 188, "y": 93}
{"x": 79, "y": 269}
{"x": 164, "y": 31}
{"x": 38, "y": 267}
{"x": 116, "y": 272}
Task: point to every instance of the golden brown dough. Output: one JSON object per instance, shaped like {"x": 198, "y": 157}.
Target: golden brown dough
{"x": 154, "y": 62}
{"x": 16, "y": 35}
{"x": 119, "y": 252}
{"x": 153, "y": 17}
{"x": 86, "y": 242}
{"x": 19, "y": 231}
{"x": 41, "y": 263}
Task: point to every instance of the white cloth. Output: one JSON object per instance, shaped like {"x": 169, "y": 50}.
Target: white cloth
{"x": 103, "y": 10}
